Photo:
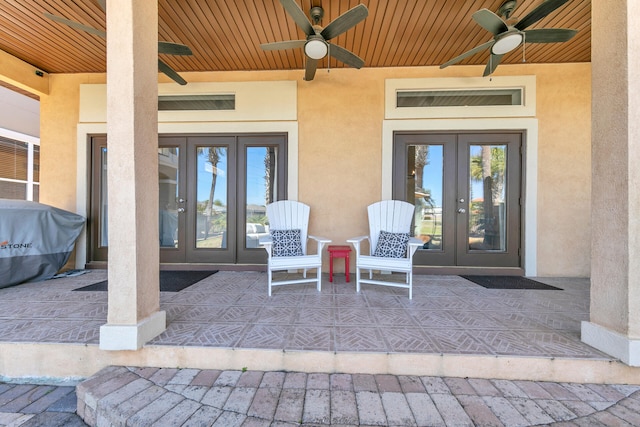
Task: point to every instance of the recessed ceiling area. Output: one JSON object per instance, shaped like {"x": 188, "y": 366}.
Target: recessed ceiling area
{"x": 226, "y": 35}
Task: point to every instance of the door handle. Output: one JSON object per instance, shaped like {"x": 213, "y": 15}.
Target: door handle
{"x": 461, "y": 210}
{"x": 180, "y": 210}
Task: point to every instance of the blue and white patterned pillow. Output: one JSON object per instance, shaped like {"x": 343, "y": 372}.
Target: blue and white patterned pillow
{"x": 286, "y": 243}
{"x": 391, "y": 245}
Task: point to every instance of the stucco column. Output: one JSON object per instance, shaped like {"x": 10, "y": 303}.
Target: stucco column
{"x": 132, "y": 130}
{"x": 614, "y": 326}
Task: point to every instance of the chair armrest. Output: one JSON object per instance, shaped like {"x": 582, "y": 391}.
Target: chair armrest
{"x": 355, "y": 241}
{"x": 414, "y": 244}
{"x": 320, "y": 239}
{"x": 266, "y": 242}
{"x": 414, "y": 241}
{"x": 321, "y": 242}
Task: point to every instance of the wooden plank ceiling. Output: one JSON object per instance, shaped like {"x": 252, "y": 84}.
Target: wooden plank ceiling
{"x": 226, "y": 35}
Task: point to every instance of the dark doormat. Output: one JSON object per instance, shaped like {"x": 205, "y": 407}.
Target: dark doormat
{"x": 508, "y": 282}
{"x": 170, "y": 281}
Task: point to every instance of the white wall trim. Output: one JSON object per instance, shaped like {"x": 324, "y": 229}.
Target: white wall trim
{"x": 612, "y": 343}
{"x": 82, "y": 182}
{"x": 255, "y": 101}
{"x": 18, "y": 136}
{"x": 530, "y": 128}
{"x": 526, "y": 83}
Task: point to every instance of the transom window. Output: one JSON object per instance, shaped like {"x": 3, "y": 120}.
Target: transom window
{"x": 458, "y": 98}
{"x": 467, "y": 97}
{"x": 196, "y": 102}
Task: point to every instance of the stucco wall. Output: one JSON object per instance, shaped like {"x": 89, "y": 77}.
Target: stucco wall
{"x": 340, "y": 118}
{"x": 564, "y": 170}
{"x": 58, "y": 139}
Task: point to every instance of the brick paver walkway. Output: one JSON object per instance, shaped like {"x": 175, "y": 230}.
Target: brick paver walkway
{"x": 37, "y": 405}
{"x": 122, "y": 396}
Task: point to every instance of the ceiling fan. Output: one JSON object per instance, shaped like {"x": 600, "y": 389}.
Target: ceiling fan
{"x": 166, "y": 48}
{"x": 507, "y": 37}
{"x": 317, "y": 45}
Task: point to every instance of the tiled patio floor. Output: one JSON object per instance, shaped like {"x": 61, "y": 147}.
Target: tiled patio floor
{"x": 448, "y": 315}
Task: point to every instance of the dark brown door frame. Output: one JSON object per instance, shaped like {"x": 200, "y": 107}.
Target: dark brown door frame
{"x": 449, "y": 180}
{"x": 245, "y": 141}
{"x": 236, "y": 194}
{"x": 96, "y": 251}
{"x": 447, "y": 260}
{"x": 510, "y": 257}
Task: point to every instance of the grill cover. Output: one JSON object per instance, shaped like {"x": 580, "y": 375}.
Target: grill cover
{"x": 36, "y": 240}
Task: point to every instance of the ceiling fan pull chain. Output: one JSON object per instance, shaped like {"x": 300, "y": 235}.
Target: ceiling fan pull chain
{"x": 328, "y": 58}
{"x": 524, "y": 44}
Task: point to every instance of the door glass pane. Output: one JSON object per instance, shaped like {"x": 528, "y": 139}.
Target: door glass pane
{"x": 211, "y": 188}
{"x": 487, "y": 197}
{"x": 103, "y": 231}
{"x": 425, "y": 186}
{"x": 169, "y": 202}
{"x": 261, "y": 190}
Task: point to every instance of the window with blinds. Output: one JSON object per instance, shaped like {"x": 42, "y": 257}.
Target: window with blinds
{"x": 19, "y": 170}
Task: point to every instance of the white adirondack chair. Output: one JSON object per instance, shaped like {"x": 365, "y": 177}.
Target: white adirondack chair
{"x": 284, "y": 216}
{"x": 391, "y": 216}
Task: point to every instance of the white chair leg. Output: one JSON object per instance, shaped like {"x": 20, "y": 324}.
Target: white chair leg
{"x": 370, "y": 274}
{"x": 319, "y": 286}
{"x": 410, "y": 277}
{"x": 304, "y": 273}
{"x": 269, "y": 277}
{"x": 357, "y": 279}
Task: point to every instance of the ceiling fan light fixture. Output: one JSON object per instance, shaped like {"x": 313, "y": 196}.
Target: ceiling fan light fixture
{"x": 316, "y": 49}
{"x": 507, "y": 43}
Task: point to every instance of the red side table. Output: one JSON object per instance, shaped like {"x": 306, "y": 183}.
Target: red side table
{"x": 339, "y": 251}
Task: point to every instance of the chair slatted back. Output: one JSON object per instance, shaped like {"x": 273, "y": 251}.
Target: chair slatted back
{"x": 393, "y": 216}
{"x": 290, "y": 215}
